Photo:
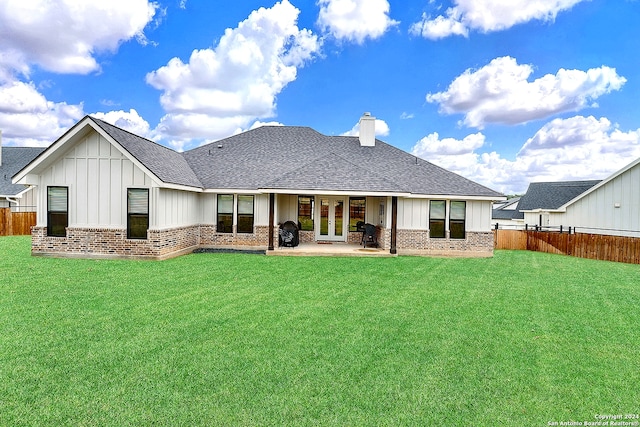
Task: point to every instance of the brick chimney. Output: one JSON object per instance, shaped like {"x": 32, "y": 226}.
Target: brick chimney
{"x": 367, "y": 134}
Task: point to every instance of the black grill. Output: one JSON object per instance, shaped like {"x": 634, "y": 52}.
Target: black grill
{"x": 288, "y": 234}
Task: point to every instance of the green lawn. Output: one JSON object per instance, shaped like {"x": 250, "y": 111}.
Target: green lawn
{"x": 520, "y": 339}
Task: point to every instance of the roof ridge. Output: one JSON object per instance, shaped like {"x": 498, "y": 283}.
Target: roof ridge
{"x": 226, "y": 138}
{"x": 95, "y": 119}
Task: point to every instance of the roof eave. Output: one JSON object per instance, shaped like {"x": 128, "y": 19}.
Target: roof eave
{"x": 333, "y": 192}
{"x": 69, "y": 136}
{"x": 601, "y": 183}
{"x": 458, "y": 196}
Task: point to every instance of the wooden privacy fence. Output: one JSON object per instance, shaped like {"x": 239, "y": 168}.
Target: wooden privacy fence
{"x": 582, "y": 245}
{"x": 16, "y": 223}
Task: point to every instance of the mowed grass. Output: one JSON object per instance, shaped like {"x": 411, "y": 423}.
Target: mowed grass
{"x": 522, "y": 338}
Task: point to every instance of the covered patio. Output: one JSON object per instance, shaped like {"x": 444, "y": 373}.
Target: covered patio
{"x": 330, "y": 249}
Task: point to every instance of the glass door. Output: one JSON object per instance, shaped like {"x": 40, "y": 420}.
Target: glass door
{"x": 332, "y": 224}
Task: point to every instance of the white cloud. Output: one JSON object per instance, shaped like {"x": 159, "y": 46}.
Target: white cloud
{"x": 501, "y": 93}
{"x": 258, "y": 124}
{"x": 432, "y": 145}
{"x": 28, "y": 118}
{"x": 382, "y": 129}
{"x": 488, "y": 16}
{"x": 407, "y": 116}
{"x": 64, "y": 35}
{"x": 130, "y": 121}
{"x": 438, "y": 28}
{"x": 231, "y": 85}
{"x": 355, "y": 20}
{"x": 562, "y": 150}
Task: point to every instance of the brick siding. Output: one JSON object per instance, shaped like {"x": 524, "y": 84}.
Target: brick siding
{"x": 105, "y": 242}
{"x": 418, "y": 241}
{"x": 96, "y": 242}
{"x": 259, "y": 238}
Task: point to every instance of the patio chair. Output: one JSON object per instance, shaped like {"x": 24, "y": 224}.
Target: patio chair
{"x": 369, "y": 235}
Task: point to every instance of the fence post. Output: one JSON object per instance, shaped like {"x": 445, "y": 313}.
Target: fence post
{"x": 560, "y": 228}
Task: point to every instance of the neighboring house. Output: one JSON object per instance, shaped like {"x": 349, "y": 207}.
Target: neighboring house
{"x": 610, "y": 206}
{"x": 103, "y": 191}
{"x": 503, "y": 212}
{"x": 16, "y": 196}
{"x": 542, "y": 198}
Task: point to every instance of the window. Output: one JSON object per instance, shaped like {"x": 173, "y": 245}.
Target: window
{"x": 137, "y": 213}
{"x": 356, "y": 211}
{"x": 57, "y": 211}
{"x": 225, "y": 213}
{"x": 457, "y": 213}
{"x": 437, "y": 213}
{"x": 305, "y": 212}
{"x": 245, "y": 214}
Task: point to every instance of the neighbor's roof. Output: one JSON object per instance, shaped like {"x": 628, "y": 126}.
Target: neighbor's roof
{"x": 551, "y": 195}
{"x": 298, "y": 158}
{"x": 13, "y": 160}
{"x": 506, "y": 209}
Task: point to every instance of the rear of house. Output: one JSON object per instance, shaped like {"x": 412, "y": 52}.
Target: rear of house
{"x": 104, "y": 192}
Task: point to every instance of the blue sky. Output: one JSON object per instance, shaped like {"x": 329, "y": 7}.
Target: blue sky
{"x": 502, "y": 92}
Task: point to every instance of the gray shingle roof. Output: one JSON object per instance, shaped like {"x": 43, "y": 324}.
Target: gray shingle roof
{"x": 551, "y": 195}
{"x": 166, "y": 164}
{"x": 344, "y": 176}
{"x": 506, "y": 210}
{"x": 13, "y": 160}
{"x": 293, "y": 157}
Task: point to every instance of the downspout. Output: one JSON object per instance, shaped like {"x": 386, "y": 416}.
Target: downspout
{"x": 12, "y": 201}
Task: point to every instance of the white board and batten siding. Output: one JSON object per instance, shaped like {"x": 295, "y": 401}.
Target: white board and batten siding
{"x": 413, "y": 214}
{"x": 613, "y": 208}
{"x": 173, "y": 208}
{"x": 97, "y": 176}
{"x": 209, "y": 208}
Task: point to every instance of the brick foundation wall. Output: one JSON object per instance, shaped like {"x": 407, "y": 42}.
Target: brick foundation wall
{"x": 259, "y": 238}
{"x": 409, "y": 241}
{"x": 104, "y": 242}
{"x": 306, "y": 236}
{"x": 96, "y": 242}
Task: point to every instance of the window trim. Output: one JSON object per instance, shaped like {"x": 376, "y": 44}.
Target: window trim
{"x": 218, "y": 213}
{"x": 252, "y": 215}
{"x": 364, "y": 213}
{"x": 433, "y": 220}
{"x": 50, "y": 232}
{"x": 312, "y": 199}
{"x": 453, "y": 221}
{"x": 130, "y": 214}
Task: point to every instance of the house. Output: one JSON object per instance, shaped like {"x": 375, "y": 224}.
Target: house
{"x": 103, "y": 191}
{"x": 503, "y": 211}
{"x": 542, "y": 198}
{"x": 18, "y": 197}
{"x": 610, "y": 206}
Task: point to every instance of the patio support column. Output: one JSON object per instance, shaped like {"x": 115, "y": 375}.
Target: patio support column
{"x": 394, "y": 224}
{"x": 272, "y": 202}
